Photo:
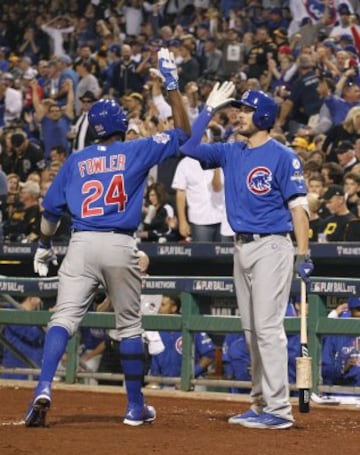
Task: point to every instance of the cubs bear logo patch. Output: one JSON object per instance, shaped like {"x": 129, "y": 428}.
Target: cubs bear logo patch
{"x": 259, "y": 180}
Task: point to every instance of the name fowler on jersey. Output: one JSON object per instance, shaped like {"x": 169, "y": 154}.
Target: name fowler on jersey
{"x": 102, "y": 164}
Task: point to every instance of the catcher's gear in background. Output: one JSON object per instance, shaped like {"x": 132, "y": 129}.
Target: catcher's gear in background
{"x": 304, "y": 266}
{"x": 106, "y": 118}
{"x": 43, "y": 256}
{"x": 168, "y": 70}
{"x": 266, "y": 109}
{"x": 220, "y": 95}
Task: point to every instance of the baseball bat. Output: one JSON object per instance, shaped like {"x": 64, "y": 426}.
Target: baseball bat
{"x": 303, "y": 363}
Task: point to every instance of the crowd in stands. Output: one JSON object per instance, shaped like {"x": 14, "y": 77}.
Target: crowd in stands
{"x": 57, "y": 58}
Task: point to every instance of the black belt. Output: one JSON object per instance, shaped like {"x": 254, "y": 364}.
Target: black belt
{"x": 246, "y": 237}
{"x": 114, "y": 231}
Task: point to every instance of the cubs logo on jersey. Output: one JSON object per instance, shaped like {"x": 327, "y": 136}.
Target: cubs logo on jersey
{"x": 178, "y": 345}
{"x": 259, "y": 180}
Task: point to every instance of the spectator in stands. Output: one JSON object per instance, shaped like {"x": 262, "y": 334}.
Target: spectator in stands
{"x": 199, "y": 200}
{"x": 333, "y": 173}
{"x": 81, "y": 134}
{"x": 25, "y": 343}
{"x": 12, "y": 199}
{"x": 315, "y": 222}
{"x": 352, "y": 191}
{"x": 335, "y": 225}
{"x": 304, "y": 100}
{"x": 24, "y": 222}
{"x": 233, "y": 50}
{"x": 26, "y": 156}
{"x": 55, "y": 122}
{"x": 88, "y": 83}
{"x": 168, "y": 362}
{"x": 348, "y": 130}
{"x": 345, "y": 153}
{"x": 125, "y": 78}
{"x": 189, "y": 68}
{"x": 3, "y": 197}
{"x": 159, "y": 223}
{"x": 212, "y": 58}
{"x": 66, "y": 71}
{"x": 30, "y": 46}
{"x": 56, "y": 28}
{"x": 341, "y": 354}
{"x": 10, "y": 99}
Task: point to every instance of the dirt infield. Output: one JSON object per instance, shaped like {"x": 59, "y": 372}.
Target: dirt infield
{"x": 90, "y": 423}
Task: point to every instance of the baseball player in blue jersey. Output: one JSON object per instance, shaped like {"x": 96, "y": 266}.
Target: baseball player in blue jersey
{"x": 102, "y": 187}
{"x": 265, "y": 198}
{"x": 341, "y": 354}
{"x": 168, "y": 362}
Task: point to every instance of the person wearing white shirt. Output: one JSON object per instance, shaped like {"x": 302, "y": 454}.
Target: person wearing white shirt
{"x": 199, "y": 201}
{"x": 12, "y": 100}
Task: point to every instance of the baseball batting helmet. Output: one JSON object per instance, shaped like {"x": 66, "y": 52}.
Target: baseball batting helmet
{"x": 106, "y": 118}
{"x": 265, "y": 108}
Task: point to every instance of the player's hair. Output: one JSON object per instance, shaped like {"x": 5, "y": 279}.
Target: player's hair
{"x": 160, "y": 191}
{"x": 175, "y": 300}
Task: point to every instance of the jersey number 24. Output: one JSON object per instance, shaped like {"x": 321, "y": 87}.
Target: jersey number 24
{"x": 114, "y": 194}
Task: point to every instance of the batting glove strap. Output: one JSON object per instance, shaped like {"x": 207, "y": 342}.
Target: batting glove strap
{"x": 304, "y": 266}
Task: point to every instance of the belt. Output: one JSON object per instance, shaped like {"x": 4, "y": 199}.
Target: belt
{"x": 246, "y": 237}
{"x": 114, "y": 231}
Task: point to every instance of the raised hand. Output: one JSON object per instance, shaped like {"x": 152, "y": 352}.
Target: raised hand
{"x": 220, "y": 95}
{"x": 168, "y": 69}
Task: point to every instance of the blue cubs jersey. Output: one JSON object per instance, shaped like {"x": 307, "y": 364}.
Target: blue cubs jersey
{"x": 29, "y": 340}
{"x": 168, "y": 362}
{"x": 337, "y": 351}
{"x": 259, "y": 182}
{"x": 103, "y": 185}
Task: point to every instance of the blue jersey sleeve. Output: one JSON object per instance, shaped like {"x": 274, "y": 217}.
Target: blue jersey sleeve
{"x": 54, "y": 201}
{"x": 291, "y": 177}
{"x": 209, "y": 155}
{"x": 330, "y": 366}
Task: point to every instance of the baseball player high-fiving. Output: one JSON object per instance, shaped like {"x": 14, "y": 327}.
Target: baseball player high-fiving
{"x": 265, "y": 200}
{"x": 103, "y": 188}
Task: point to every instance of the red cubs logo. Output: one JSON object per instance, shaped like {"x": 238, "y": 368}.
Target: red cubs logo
{"x": 259, "y": 180}
{"x": 178, "y": 345}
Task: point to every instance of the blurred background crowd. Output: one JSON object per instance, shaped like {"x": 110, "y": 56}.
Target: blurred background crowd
{"x": 58, "y": 57}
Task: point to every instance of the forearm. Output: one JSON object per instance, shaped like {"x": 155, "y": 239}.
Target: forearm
{"x": 301, "y": 229}
{"x": 198, "y": 130}
{"x": 179, "y": 113}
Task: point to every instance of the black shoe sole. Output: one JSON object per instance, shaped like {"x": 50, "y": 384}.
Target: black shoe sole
{"x": 37, "y": 417}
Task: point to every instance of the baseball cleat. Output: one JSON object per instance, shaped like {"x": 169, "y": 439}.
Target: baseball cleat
{"x": 36, "y": 415}
{"x": 135, "y": 417}
{"x": 266, "y": 421}
{"x": 239, "y": 418}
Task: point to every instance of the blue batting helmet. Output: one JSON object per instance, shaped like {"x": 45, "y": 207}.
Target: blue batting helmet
{"x": 265, "y": 108}
{"x": 106, "y": 118}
